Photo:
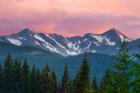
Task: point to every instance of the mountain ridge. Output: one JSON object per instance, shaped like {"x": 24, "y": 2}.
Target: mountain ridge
{"x": 105, "y": 43}
{"x": 28, "y": 30}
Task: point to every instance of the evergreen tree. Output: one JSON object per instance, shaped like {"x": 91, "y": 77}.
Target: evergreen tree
{"x": 44, "y": 80}
{"x": 26, "y": 77}
{"x": 38, "y": 76}
{"x": 82, "y": 79}
{"x": 1, "y": 75}
{"x": 65, "y": 81}
{"x": 8, "y": 74}
{"x": 70, "y": 86}
{"x": 135, "y": 83}
{"x": 89, "y": 89}
{"x": 84, "y": 74}
{"x": 121, "y": 70}
{"x": 59, "y": 87}
{"x": 34, "y": 82}
{"x": 94, "y": 85}
{"x": 53, "y": 83}
{"x": 17, "y": 77}
{"x": 106, "y": 85}
{"x": 74, "y": 84}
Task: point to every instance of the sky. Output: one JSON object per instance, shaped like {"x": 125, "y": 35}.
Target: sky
{"x": 70, "y": 17}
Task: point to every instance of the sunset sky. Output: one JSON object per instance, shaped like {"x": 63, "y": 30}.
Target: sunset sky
{"x": 70, "y": 17}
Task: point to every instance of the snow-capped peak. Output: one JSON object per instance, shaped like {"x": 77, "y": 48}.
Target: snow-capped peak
{"x": 111, "y": 32}
{"x": 123, "y": 37}
{"x": 26, "y": 32}
{"x": 67, "y": 45}
{"x": 116, "y": 35}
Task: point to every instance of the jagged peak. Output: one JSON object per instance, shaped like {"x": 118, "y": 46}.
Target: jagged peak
{"x": 55, "y": 34}
{"x": 112, "y": 31}
{"x": 90, "y": 35}
{"x": 26, "y": 31}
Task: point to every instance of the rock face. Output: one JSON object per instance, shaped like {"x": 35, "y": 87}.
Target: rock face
{"x": 106, "y": 43}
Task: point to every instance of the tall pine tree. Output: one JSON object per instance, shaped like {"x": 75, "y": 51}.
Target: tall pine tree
{"x": 44, "y": 80}
{"x": 65, "y": 81}
{"x": 121, "y": 70}
{"x": 135, "y": 83}
{"x": 17, "y": 76}
{"x": 8, "y": 74}
{"x": 82, "y": 79}
{"x": 53, "y": 82}
{"x": 26, "y": 77}
{"x": 1, "y": 75}
{"x": 94, "y": 84}
{"x": 34, "y": 80}
{"x": 106, "y": 85}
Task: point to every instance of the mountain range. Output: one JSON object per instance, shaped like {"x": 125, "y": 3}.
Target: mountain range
{"x": 105, "y": 43}
{"x": 55, "y": 50}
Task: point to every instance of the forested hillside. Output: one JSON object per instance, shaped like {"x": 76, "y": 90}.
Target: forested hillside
{"x": 122, "y": 77}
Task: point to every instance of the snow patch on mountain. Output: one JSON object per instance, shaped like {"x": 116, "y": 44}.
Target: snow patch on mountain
{"x": 68, "y": 46}
{"x": 99, "y": 38}
{"x": 56, "y": 42}
{"x": 93, "y": 51}
{"x": 72, "y": 53}
{"x": 88, "y": 46}
{"x": 50, "y": 47}
{"x": 39, "y": 38}
{"x": 37, "y": 43}
{"x": 109, "y": 42}
{"x": 21, "y": 38}
{"x": 46, "y": 45}
{"x": 123, "y": 37}
{"x": 85, "y": 39}
{"x": 14, "y": 41}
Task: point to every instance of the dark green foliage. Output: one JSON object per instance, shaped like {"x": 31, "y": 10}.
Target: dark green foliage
{"x": 81, "y": 81}
{"x": 117, "y": 79}
{"x": 44, "y": 80}
{"x": 135, "y": 83}
{"x": 8, "y": 74}
{"x": 121, "y": 70}
{"x": 65, "y": 82}
{"x": 26, "y": 77}
{"x": 94, "y": 85}
{"x": 122, "y": 77}
{"x": 1, "y": 74}
{"x": 18, "y": 77}
{"x": 34, "y": 80}
{"x": 53, "y": 83}
{"x": 106, "y": 85}
{"x": 74, "y": 85}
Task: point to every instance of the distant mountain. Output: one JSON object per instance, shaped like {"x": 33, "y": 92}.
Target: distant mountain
{"x": 53, "y": 49}
{"x": 106, "y": 43}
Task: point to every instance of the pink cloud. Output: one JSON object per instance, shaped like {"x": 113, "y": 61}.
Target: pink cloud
{"x": 70, "y": 17}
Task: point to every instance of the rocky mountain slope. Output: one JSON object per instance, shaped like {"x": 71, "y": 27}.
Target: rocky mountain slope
{"x": 106, "y": 43}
